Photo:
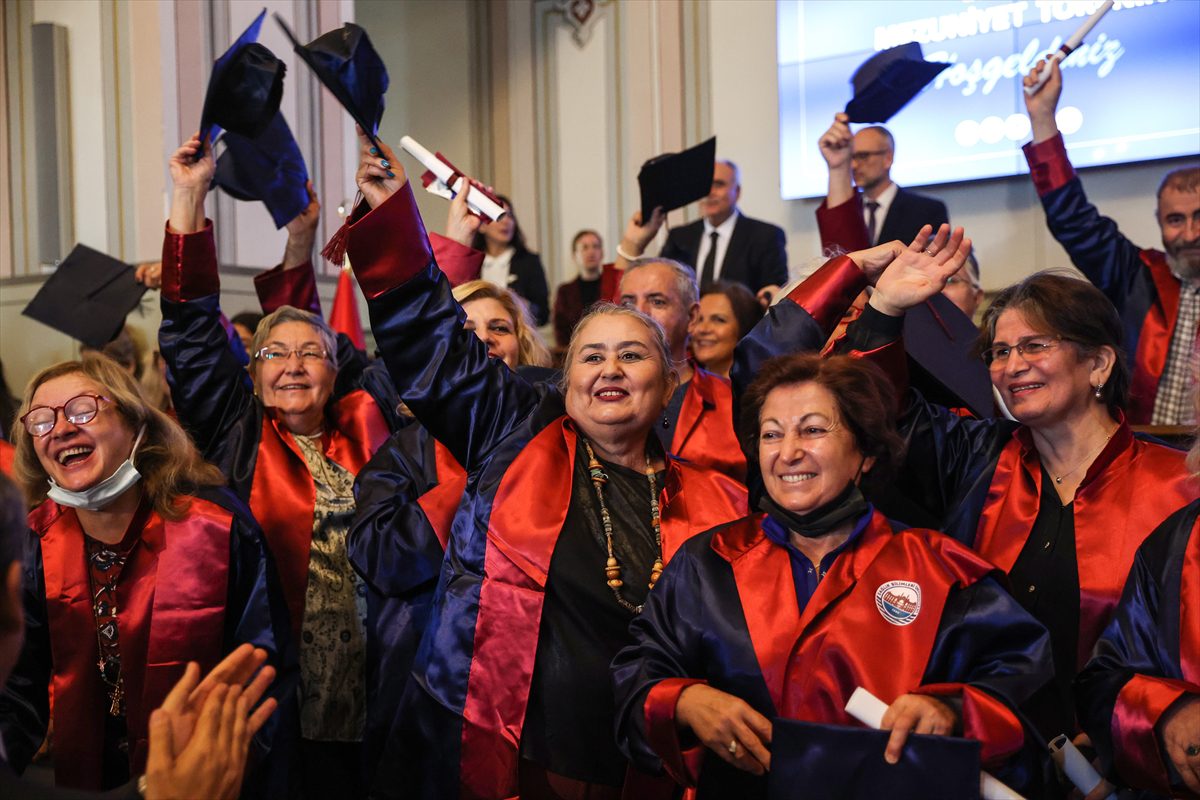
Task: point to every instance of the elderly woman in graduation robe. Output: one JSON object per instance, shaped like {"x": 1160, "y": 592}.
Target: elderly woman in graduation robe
{"x": 785, "y": 613}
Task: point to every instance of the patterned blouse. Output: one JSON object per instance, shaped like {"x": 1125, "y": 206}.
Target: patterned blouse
{"x": 333, "y": 639}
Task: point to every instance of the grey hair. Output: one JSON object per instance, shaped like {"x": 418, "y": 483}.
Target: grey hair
{"x": 885, "y": 133}
{"x": 685, "y": 277}
{"x": 658, "y": 340}
{"x": 292, "y": 314}
{"x": 737, "y": 171}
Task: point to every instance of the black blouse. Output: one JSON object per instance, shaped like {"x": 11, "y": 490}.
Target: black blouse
{"x": 569, "y": 719}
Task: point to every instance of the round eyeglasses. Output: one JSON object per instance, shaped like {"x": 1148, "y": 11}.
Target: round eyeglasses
{"x": 79, "y": 410}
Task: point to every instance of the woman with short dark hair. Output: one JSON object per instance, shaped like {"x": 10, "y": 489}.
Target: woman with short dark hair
{"x": 1061, "y": 497}
{"x": 728, "y": 311}
{"x": 509, "y": 263}
{"x": 774, "y": 615}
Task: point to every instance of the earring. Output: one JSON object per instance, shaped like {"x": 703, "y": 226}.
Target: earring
{"x": 1100, "y": 391}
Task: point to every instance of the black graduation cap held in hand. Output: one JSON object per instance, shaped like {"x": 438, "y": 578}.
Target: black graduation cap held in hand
{"x": 673, "y": 180}
{"x": 245, "y": 88}
{"x": 268, "y": 167}
{"x": 87, "y": 297}
{"x": 888, "y": 80}
{"x": 345, "y": 61}
{"x": 939, "y": 339}
{"x": 835, "y": 762}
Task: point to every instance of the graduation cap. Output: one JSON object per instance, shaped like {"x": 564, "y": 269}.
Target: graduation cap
{"x": 87, "y": 297}
{"x": 835, "y": 762}
{"x": 939, "y": 339}
{"x": 345, "y": 61}
{"x": 888, "y": 80}
{"x": 268, "y": 167}
{"x": 675, "y": 179}
{"x": 245, "y": 87}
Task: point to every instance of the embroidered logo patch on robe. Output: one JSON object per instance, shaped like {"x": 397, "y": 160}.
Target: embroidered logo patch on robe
{"x": 898, "y": 601}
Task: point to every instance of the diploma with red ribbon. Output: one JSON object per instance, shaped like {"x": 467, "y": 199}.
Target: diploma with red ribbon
{"x": 446, "y": 180}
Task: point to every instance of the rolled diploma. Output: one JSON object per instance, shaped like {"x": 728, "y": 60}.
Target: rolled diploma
{"x": 1074, "y": 765}
{"x": 477, "y": 201}
{"x": 1069, "y": 45}
{"x": 869, "y": 709}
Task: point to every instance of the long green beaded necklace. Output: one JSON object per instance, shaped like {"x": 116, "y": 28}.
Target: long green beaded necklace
{"x": 612, "y": 570}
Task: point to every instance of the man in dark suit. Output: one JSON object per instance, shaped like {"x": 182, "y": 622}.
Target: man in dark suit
{"x": 727, "y": 245}
{"x": 889, "y": 211}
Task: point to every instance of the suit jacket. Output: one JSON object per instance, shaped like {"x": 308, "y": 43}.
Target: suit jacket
{"x": 568, "y": 301}
{"x": 527, "y": 278}
{"x": 907, "y": 213}
{"x": 756, "y": 256}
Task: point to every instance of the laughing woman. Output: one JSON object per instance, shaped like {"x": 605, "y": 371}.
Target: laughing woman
{"x": 290, "y": 446}
{"x": 570, "y": 510}
{"x": 140, "y": 563}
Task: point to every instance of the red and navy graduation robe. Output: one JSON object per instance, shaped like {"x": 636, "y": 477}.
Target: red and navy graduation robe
{"x": 1138, "y": 282}
{"x": 1148, "y": 657}
{"x": 191, "y": 590}
{"x": 726, "y": 613}
{"x": 233, "y": 429}
{"x": 463, "y": 709}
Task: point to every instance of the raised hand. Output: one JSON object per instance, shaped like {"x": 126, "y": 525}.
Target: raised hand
{"x": 190, "y": 179}
{"x": 727, "y": 725}
{"x": 461, "y": 224}
{"x": 149, "y": 274}
{"x": 379, "y": 174}
{"x": 302, "y": 231}
{"x": 916, "y": 272}
{"x": 915, "y": 713}
{"x": 835, "y": 143}
{"x": 1043, "y": 104}
{"x": 638, "y": 235}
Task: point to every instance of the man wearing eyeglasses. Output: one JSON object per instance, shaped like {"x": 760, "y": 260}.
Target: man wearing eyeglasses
{"x": 889, "y": 211}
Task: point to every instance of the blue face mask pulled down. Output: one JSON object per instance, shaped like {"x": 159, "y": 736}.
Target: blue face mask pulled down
{"x": 106, "y": 491}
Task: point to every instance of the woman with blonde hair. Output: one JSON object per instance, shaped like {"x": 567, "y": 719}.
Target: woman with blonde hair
{"x": 139, "y": 563}
{"x": 407, "y": 495}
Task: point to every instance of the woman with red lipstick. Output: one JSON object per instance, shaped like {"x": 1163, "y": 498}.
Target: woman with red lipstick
{"x": 727, "y": 313}
{"x": 784, "y": 614}
{"x": 1059, "y": 499}
{"x": 569, "y": 512}
{"x": 290, "y": 438}
{"x": 140, "y": 563}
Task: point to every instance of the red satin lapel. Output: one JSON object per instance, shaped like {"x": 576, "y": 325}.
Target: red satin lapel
{"x": 1155, "y": 338}
{"x": 767, "y": 592}
{"x": 78, "y": 716}
{"x": 440, "y": 503}
{"x": 1189, "y": 609}
{"x": 282, "y": 497}
{"x": 360, "y": 431}
{"x": 689, "y": 416}
{"x": 527, "y": 516}
{"x": 1011, "y": 506}
{"x": 704, "y": 433}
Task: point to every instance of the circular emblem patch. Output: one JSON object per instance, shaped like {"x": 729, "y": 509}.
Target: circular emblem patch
{"x": 898, "y": 601}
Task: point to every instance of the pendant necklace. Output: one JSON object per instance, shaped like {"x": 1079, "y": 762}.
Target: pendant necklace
{"x": 1088, "y": 458}
{"x": 104, "y": 605}
{"x": 612, "y": 569}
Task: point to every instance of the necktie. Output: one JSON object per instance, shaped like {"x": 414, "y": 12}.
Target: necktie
{"x": 871, "y": 231}
{"x": 710, "y": 261}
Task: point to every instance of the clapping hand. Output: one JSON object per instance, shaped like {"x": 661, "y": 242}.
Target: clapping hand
{"x": 200, "y": 736}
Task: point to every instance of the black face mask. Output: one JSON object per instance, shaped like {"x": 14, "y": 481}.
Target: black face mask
{"x": 848, "y": 505}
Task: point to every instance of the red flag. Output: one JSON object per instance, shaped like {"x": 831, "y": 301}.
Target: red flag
{"x": 344, "y": 316}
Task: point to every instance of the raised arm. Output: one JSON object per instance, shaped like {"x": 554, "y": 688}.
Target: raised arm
{"x": 1094, "y": 243}
{"x": 467, "y": 401}
{"x": 294, "y": 281}
{"x": 840, "y": 218}
{"x": 211, "y": 389}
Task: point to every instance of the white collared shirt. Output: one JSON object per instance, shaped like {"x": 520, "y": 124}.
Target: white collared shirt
{"x": 724, "y": 234}
{"x": 885, "y": 199}
{"x": 496, "y": 268}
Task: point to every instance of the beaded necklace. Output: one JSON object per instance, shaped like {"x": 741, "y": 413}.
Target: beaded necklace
{"x": 104, "y": 568}
{"x": 612, "y": 569}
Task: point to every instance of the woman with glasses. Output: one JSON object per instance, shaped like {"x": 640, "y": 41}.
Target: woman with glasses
{"x": 1061, "y": 497}
{"x": 290, "y": 438}
{"x": 139, "y": 563}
